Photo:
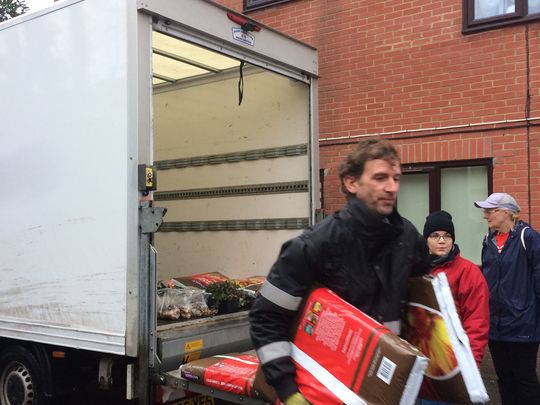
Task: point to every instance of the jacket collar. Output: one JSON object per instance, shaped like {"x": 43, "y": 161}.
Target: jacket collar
{"x": 516, "y": 230}
{"x": 438, "y": 261}
{"x": 376, "y": 228}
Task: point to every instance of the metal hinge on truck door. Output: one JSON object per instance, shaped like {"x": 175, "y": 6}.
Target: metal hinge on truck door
{"x": 151, "y": 218}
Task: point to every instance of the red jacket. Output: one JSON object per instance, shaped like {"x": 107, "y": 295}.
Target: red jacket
{"x": 471, "y": 296}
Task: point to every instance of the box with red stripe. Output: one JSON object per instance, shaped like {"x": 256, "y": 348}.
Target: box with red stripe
{"x": 238, "y": 373}
{"x": 345, "y": 357}
{"x": 433, "y": 325}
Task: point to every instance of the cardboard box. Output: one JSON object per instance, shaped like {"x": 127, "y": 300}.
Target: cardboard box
{"x": 202, "y": 280}
{"x": 238, "y": 373}
{"x": 344, "y": 356}
{"x": 250, "y": 285}
{"x": 432, "y": 325}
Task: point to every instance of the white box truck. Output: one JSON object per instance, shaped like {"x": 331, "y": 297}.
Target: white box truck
{"x": 113, "y": 112}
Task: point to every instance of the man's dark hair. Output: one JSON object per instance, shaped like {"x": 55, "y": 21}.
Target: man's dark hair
{"x": 369, "y": 149}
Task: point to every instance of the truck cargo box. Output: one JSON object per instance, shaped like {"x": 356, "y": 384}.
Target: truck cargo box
{"x": 117, "y": 111}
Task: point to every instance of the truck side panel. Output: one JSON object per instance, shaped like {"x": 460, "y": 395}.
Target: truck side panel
{"x": 71, "y": 198}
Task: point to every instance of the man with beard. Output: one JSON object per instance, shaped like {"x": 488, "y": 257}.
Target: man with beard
{"x": 365, "y": 253}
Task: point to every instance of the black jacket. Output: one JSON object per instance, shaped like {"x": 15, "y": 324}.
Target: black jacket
{"x": 365, "y": 259}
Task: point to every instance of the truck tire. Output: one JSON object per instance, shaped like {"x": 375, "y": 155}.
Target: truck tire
{"x": 20, "y": 379}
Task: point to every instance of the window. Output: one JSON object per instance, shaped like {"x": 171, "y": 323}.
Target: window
{"x": 487, "y": 14}
{"x": 255, "y": 4}
{"x": 493, "y": 8}
{"x": 453, "y": 187}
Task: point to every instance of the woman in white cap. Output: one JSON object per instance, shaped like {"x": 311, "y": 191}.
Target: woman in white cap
{"x": 511, "y": 266}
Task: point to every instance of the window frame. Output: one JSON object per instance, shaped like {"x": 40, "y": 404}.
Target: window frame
{"x": 434, "y": 182}
{"x": 433, "y": 170}
{"x": 250, "y": 5}
{"x": 520, "y": 16}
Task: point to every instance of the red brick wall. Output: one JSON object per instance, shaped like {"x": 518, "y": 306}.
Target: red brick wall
{"x": 509, "y": 149}
{"x": 400, "y": 65}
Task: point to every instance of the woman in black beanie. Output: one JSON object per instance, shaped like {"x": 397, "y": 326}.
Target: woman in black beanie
{"x": 469, "y": 288}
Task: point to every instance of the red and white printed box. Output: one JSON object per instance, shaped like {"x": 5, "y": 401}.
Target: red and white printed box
{"x": 345, "y": 356}
{"x": 342, "y": 357}
{"x": 238, "y": 373}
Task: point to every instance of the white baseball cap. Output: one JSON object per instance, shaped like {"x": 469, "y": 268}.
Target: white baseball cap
{"x": 499, "y": 200}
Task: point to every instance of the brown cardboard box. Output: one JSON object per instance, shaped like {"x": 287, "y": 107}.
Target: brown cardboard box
{"x": 201, "y": 280}
{"x": 432, "y": 324}
{"x": 235, "y": 372}
{"x": 341, "y": 354}
{"x": 344, "y": 356}
{"x": 250, "y": 285}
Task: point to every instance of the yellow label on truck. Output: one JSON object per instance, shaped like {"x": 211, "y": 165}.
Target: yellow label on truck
{"x": 149, "y": 177}
{"x": 193, "y": 345}
{"x": 192, "y": 350}
{"x": 191, "y": 357}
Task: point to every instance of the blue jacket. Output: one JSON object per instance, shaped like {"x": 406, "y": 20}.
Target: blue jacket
{"x": 513, "y": 278}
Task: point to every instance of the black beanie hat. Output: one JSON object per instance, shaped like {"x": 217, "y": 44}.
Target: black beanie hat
{"x": 439, "y": 221}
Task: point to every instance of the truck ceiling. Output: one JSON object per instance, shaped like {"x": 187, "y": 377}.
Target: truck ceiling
{"x": 175, "y": 60}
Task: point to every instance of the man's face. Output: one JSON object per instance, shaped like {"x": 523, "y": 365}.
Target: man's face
{"x": 377, "y": 187}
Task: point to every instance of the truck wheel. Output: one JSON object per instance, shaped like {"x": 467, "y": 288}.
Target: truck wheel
{"x": 19, "y": 378}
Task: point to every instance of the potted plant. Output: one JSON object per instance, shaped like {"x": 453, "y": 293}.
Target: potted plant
{"x": 226, "y": 297}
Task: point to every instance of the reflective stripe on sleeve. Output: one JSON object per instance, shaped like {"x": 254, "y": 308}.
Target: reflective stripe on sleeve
{"x": 280, "y": 297}
{"x": 335, "y": 386}
{"x": 273, "y": 351}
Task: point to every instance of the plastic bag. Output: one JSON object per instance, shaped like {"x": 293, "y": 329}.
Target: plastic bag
{"x": 182, "y": 304}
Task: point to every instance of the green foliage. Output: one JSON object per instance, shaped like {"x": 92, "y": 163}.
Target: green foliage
{"x": 226, "y": 291}
{"x": 12, "y": 8}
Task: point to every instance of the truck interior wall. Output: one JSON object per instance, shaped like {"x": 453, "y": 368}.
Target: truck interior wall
{"x": 202, "y": 118}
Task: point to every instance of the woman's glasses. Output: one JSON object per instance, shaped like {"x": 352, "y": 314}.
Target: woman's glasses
{"x": 489, "y": 211}
{"x": 437, "y": 236}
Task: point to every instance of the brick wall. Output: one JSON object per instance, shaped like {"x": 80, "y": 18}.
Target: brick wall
{"x": 401, "y": 65}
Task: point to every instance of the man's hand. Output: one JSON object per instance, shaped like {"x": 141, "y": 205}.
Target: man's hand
{"x": 297, "y": 399}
